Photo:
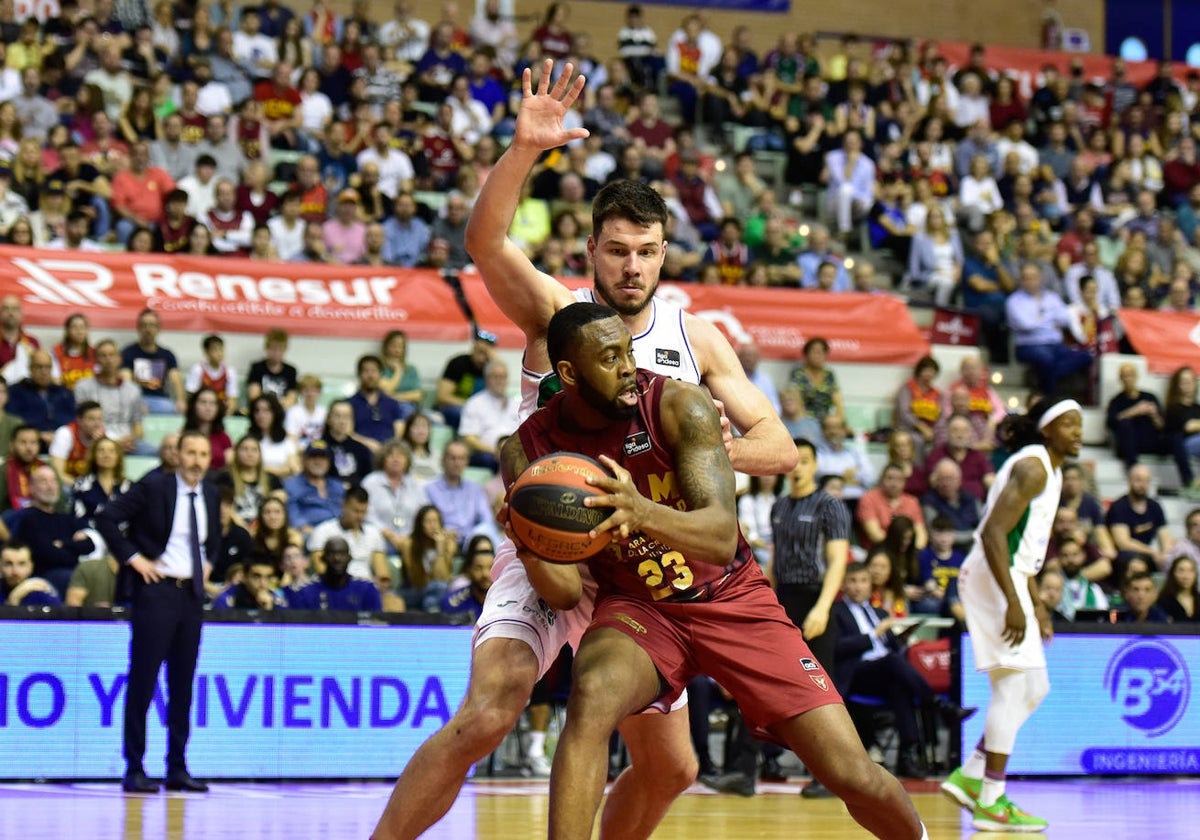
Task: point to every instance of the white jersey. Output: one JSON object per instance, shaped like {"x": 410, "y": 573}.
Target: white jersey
{"x": 663, "y": 348}
{"x": 1028, "y": 541}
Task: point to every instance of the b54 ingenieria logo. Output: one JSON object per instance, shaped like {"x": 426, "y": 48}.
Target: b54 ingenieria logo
{"x": 1148, "y": 682}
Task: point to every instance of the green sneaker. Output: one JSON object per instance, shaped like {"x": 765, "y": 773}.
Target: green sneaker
{"x": 961, "y": 789}
{"x": 1006, "y": 817}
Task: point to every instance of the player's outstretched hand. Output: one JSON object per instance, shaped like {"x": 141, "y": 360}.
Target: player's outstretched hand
{"x": 540, "y": 119}
{"x": 629, "y": 506}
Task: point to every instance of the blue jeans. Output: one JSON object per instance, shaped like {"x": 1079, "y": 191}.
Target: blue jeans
{"x": 159, "y": 405}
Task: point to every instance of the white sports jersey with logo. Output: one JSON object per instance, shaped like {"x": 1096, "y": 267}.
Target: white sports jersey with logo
{"x": 1028, "y": 541}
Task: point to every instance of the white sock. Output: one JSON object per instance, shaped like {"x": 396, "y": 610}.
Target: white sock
{"x": 973, "y": 767}
{"x": 924, "y": 832}
{"x": 537, "y": 744}
{"x": 992, "y": 790}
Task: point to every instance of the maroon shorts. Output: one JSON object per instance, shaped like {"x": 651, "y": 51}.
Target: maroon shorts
{"x": 741, "y": 637}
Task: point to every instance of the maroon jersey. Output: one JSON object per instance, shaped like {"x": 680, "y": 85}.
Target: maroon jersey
{"x": 640, "y": 566}
{"x": 249, "y": 138}
{"x": 193, "y": 127}
{"x": 170, "y": 239}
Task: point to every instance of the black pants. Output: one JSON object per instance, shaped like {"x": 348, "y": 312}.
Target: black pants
{"x": 165, "y": 623}
{"x": 1137, "y": 436}
{"x": 797, "y": 601}
{"x": 898, "y": 684}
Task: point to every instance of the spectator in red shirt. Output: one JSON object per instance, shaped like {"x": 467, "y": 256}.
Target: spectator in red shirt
{"x": 883, "y": 503}
{"x": 652, "y": 136}
{"x": 977, "y": 472}
{"x": 314, "y": 198}
{"x": 1182, "y": 173}
{"x": 139, "y": 193}
{"x": 280, "y": 106}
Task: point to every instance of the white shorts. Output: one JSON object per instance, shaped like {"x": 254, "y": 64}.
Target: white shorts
{"x": 513, "y": 610}
{"x": 985, "y": 605}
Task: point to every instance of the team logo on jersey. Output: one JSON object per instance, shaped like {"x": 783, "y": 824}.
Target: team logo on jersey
{"x": 637, "y": 443}
{"x": 667, "y": 358}
{"x": 808, "y": 665}
{"x": 819, "y": 682}
{"x": 1148, "y": 682}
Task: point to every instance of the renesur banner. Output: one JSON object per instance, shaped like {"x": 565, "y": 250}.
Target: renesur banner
{"x": 1168, "y": 340}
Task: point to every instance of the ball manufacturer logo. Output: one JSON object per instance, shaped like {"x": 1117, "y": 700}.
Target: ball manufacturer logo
{"x": 1148, "y": 682}
{"x": 568, "y": 498}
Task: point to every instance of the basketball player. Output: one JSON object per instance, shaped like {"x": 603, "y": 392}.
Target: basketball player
{"x": 1006, "y": 619}
{"x": 679, "y": 592}
{"x": 519, "y": 635}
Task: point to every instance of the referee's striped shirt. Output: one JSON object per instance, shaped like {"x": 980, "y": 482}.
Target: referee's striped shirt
{"x": 801, "y": 529}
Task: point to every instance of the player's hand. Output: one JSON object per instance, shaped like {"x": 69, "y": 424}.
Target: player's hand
{"x": 629, "y": 506}
{"x": 1045, "y": 624}
{"x": 540, "y": 118}
{"x": 815, "y": 623}
{"x": 1014, "y": 624}
{"x": 726, "y": 428}
{"x": 146, "y": 568}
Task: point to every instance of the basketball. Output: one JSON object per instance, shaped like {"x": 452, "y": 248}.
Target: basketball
{"x": 546, "y": 509}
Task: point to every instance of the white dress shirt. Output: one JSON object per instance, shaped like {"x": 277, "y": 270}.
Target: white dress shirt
{"x": 176, "y": 559}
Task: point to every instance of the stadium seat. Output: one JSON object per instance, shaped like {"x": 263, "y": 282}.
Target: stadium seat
{"x": 157, "y": 426}
{"x": 137, "y": 466}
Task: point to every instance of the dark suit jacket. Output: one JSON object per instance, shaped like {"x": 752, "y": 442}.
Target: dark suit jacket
{"x": 851, "y": 643}
{"x": 148, "y": 511}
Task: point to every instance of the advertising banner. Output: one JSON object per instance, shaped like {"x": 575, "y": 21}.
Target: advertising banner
{"x": 271, "y": 701}
{"x": 1168, "y": 340}
{"x": 1118, "y": 705}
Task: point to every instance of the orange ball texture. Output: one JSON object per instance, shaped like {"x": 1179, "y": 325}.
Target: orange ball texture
{"x": 546, "y": 509}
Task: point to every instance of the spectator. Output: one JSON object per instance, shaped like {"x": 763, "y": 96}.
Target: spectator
{"x": 938, "y": 565}
{"x": 489, "y": 416}
{"x": 749, "y": 356}
{"x": 287, "y": 228}
{"x": 466, "y": 593}
{"x": 1138, "y": 525}
{"x": 887, "y": 500}
{"x": 1079, "y": 593}
{"x": 255, "y": 52}
{"x": 653, "y": 138}
{"x": 463, "y": 377}
{"x": 1182, "y": 427}
{"x": 39, "y": 401}
{"x": 18, "y": 586}
{"x": 439, "y": 65}
{"x": 452, "y": 229}
{"x": 280, "y": 456}
{"x": 849, "y": 462}
{"x": 138, "y": 192}
{"x": 1038, "y": 320}
{"x": 93, "y": 583}
{"x": 406, "y": 35}
{"x": 120, "y": 401}
{"x": 463, "y": 504}
{"x": 795, "y": 419}
{"x": 206, "y": 414}
{"x": 16, "y": 345}
{"x": 352, "y": 458}
{"x": 817, "y": 383}
{"x": 273, "y": 531}
{"x": 983, "y": 405}
{"x": 153, "y": 368}
{"x": 366, "y": 542}
{"x": 249, "y": 483}
{"x": 1139, "y": 594}
{"x": 1135, "y": 419}
{"x": 170, "y": 153}
{"x": 58, "y": 540}
{"x": 936, "y": 258}
{"x": 335, "y": 589}
{"x": 891, "y": 563}
{"x": 168, "y": 454}
{"x": 296, "y": 573}
{"x": 75, "y": 235}
{"x": 946, "y": 500}
{"x": 8, "y": 422}
{"x": 272, "y": 375}
{"x": 74, "y": 358}
{"x": 1089, "y": 514}
{"x": 1179, "y": 597}
{"x": 776, "y": 254}
{"x": 304, "y": 422}
{"x": 256, "y": 591}
{"x": 902, "y": 451}
{"x": 427, "y": 555}
{"x": 919, "y": 403}
{"x": 313, "y": 496}
{"x": 986, "y": 286}
{"x": 377, "y": 417}
{"x": 406, "y": 235}
{"x": 232, "y": 229}
{"x": 214, "y": 373}
{"x": 393, "y": 495}
{"x": 71, "y": 443}
{"x": 418, "y": 435}
{"x": 977, "y": 472}
{"x": 850, "y": 176}
{"x": 16, "y": 477}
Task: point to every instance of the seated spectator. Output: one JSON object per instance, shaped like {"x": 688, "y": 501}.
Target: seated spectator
{"x": 1088, "y": 511}
{"x": 978, "y": 194}
{"x": 427, "y": 556}
{"x": 1182, "y": 428}
{"x": 377, "y": 417}
{"x": 313, "y": 496}
{"x": 488, "y": 416}
{"x": 39, "y": 401}
{"x": 206, "y": 414}
{"x": 256, "y": 591}
{"x": 463, "y": 504}
{"x": 1138, "y": 525}
{"x": 345, "y": 233}
{"x": 889, "y": 564}
{"x": 103, "y": 479}
{"x": 58, "y": 540}
{"x": 936, "y": 258}
{"x": 304, "y": 422}
{"x": 237, "y": 546}
{"x": 272, "y": 374}
{"x": 749, "y": 356}
{"x": 296, "y": 574}
{"x": 919, "y": 404}
{"x": 366, "y": 543}
{"x": 1038, "y": 320}
{"x": 777, "y": 254}
{"x": 902, "y": 452}
{"x": 817, "y": 383}
{"x": 71, "y": 443}
{"x": 335, "y": 589}
{"x": 1179, "y": 597}
{"x": 399, "y": 379}
{"x": 947, "y": 500}
{"x": 797, "y": 421}
{"x": 214, "y": 373}
{"x": 1135, "y": 419}
{"x": 977, "y": 471}
{"x": 352, "y": 458}
{"x": 273, "y": 530}
{"x": 462, "y": 377}
{"x": 16, "y": 476}
{"x": 850, "y": 177}
{"x": 394, "y": 496}
{"x": 846, "y": 460}
{"x": 249, "y": 482}
{"x": 882, "y": 503}
{"x": 153, "y": 368}
{"x": 1079, "y": 591}
{"x": 983, "y": 405}
{"x": 1050, "y": 593}
{"x": 466, "y": 593}
{"x": 1140, "y": 594}
{"x": 1189, "y": 546}
{"x": 74, "y": 357}
{"x": 418, "y": 432}
{"x": 986, "y": 286}
{"x": 280, "y": 455}
{"x": 405, "y": 234}
{"x": 819, "y": 250}
{"x": 287, "y": 228}
{"x": 120, "y": 400}
{"x": 18, "y": 586}
{"x": 232, "y": 229}
{"x": 93, "y": 583}
{"x": 937, "y": 565}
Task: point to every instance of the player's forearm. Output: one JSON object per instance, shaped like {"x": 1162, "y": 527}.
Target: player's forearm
{"x": 764, "y": 449}
{"x": 706, "y": 535}
{"x": 557, "y": 584}
{"x": 836, "y": 554}
{"x": 497, "y": 202}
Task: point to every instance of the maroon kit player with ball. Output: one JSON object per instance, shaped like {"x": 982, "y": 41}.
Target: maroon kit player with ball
{"x": 679, "y": 591}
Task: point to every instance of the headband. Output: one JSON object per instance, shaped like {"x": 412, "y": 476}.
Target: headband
{"x": 1058, "y": 410}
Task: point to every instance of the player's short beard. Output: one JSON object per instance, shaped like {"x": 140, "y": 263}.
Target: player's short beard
{"x": 625, "y": 310}
{"x": 609, "y": 408}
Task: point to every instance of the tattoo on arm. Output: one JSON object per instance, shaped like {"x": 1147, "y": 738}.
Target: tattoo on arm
{"x": 513, "y": 460}
{"x": 702, "y": 466}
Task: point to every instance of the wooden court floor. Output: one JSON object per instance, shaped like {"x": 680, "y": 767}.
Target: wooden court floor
{"x": 516, "y": 810}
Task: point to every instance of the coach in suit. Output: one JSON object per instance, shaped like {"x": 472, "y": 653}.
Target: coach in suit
{"x": 172, "y": 526}
{"x": 870, "y": 660}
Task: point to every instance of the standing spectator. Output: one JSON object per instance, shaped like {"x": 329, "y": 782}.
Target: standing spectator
{"x": 314, "y": 495}
{"x": 120, "y": 400}
{"x": 1135, "y": 419}
{"x": 488, "y": 416}
{"x": 977, "y": 472}
{"x": 919, "y": 403}
{"x": 850, "y": 176}
{"x": 272, "y": 375}
{"x": 463, "y": 504}
{"x": 887, "y": 500}
{"x": 849, "y": 462}
{"x": 463, "y": 377}
{"x": 1182, "y": 427}
{"x": 153, "y": 368}
{"x": 1138, "y": 525}
{"x": 39, "y": 401}
{"x": 1038, "y": 320}
{"x": 172, "y": 534}
{"x": 817, "y": 383}
{"x": 377, "y": 417}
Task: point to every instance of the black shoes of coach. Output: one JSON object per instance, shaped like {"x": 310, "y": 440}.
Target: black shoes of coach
{"x": 952, "y": 713}
{"x": 184, "y": 781}
{"x": 136, "y": 781}
{"x": 736, "y": 783}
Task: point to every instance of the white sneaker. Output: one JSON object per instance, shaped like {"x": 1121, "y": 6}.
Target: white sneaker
{"x": 539, "y": 766}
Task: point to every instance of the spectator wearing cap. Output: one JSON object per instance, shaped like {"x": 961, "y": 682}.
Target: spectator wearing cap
{"x": 201, "y": 186}
{"x": 139, "y": 193}
{"x": 313, "y": 496}
{"x": 345, "y": 234}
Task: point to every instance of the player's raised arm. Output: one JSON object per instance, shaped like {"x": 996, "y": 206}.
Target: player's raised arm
{"x": 527, "y": 296}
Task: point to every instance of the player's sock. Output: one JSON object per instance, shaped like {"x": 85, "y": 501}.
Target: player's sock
{"x": 973, "y": 767}
{"x": 924, "y": 832}
{"x": 537, "y": 744}
{"x": 993, "y": 788}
